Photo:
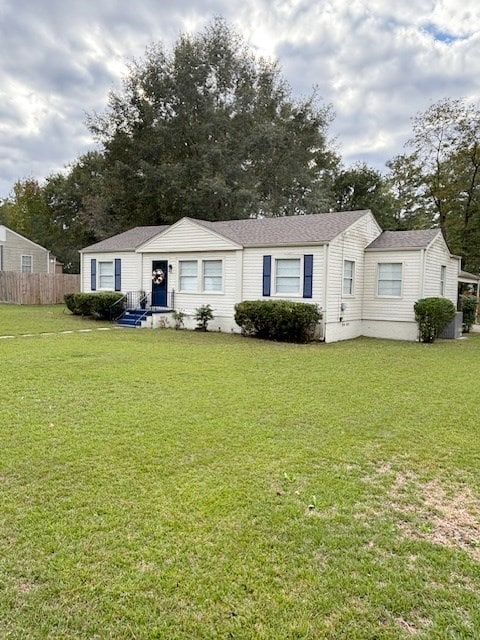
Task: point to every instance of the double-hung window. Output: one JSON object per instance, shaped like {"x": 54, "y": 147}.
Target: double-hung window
{"x": 390, "y": 279}
{"x": 188, "y": 278}
{"x": 443, "y": 279}
{"x": 288, "y": 276}
{"x": 212, "y": 275}
{"x": 105, "y": 276}
{"x": 27, "y": 264}
{"x": 348, "y": 277}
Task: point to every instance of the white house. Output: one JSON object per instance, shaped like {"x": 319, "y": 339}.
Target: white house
{"x": 364, "y": 280}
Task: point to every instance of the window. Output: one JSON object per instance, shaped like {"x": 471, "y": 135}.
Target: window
{"x": 105, "y": 275}
{"x": 187, "y": 275}
{"x": 212, "y": 275}
{"x": 390, "y": 279}
{"x": 27, "y": 264}
{"x": 1, "y": 257}
{"x": 443, "y": 278}
{"x": 348, "y": 277}
{"x": 287, "y": 275}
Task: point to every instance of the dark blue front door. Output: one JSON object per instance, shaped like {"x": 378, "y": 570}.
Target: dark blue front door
{"x": 159, "y": 283}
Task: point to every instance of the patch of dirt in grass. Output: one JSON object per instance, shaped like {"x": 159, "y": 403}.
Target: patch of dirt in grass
{"x": 448, "y": 516}
{"x": 413, "y": 627}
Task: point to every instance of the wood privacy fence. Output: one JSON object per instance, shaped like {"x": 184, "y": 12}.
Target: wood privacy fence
{"x": 36, "y": 288}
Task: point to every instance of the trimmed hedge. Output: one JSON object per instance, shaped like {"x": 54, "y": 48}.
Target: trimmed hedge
{"x": 432, "y": 316}
{"x": 98, "y": 305}
{"x": 280, "y": 320}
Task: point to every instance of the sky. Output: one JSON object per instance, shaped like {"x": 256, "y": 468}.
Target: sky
{"x": 378, "y": 63}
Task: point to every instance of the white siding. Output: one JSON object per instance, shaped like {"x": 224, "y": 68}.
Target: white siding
{"x": 345, "y": 323}
{"x": 437, "y": 254}
{"x": 222, "y": 302}
{"x": 377, "y": 307}
{"x": 186, "y": 235}
{"x": 253, "y": 272}
{"x": 130, "y": 274}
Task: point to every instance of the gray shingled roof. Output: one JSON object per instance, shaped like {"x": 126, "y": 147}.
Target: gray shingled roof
{"x": 418, "y": 239}
{"x": 128, "y": 240}
{"x": 288, "y": 230}
{"x": 251, "y": 232}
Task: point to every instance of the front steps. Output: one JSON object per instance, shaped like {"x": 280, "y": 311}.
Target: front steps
{"x": 134, "y": 318}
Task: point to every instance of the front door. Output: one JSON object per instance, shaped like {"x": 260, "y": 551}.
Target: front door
{"x": 159, "y": 283}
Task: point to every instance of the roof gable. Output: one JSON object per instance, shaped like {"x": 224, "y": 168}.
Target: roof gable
{"x": 188, "y": 234}
{"x": 4, "y": 231}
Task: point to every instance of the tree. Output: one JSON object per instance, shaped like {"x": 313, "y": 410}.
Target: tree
{"x": 209, "y": 131}
{"x": 71, "y": 199}
{"x": 440, "y": 178}
{"x": 362, "y": 187}
{"x": 26, "y": 212}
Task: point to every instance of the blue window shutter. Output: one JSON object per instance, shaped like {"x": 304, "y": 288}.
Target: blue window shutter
{"x": 267, "y": 274}
{"x": 93, "y": 274}
{"x": 307, "y": 275}
{"x": 118, "y": 274}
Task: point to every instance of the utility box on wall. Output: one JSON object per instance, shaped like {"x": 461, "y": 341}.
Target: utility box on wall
{"x": 454, "y": 328}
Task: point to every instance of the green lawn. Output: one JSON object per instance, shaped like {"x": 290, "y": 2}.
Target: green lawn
{"x": 163, "y": 484}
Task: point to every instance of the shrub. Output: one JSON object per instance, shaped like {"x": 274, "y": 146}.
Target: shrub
{"x": 98, "y": 305}
{"x": 203, "y": 315}
{"x": 280, "y": 320}
{"x": 432, "y": 316}
{"x": 468, "y": 305}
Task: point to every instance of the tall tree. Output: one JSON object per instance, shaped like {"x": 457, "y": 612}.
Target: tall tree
{"x": 26, "y": 212}
{"x": 440, "y": 177}
{"x": 208, "y": 130}
{"x": 362, "y": 187}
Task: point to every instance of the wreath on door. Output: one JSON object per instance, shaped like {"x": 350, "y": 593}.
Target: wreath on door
{"x": 158, "y": 276}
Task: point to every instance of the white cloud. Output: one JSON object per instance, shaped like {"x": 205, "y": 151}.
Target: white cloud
{"x": 377, "y": 63}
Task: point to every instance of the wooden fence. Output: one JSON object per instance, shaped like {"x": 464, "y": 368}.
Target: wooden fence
{"x": 36, "y": 288}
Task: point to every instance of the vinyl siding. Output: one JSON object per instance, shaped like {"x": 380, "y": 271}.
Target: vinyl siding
{"x": 377, "y": 307}
{"x": 348, "y": 246}
{"x": 15, "y": 246}
{"x": 253, "y": 272}
{"x": 186, "y": 235}
{"x": 437, "y": 255}
{"x": 131, "y": 269}
{"x": 222, "y": 302}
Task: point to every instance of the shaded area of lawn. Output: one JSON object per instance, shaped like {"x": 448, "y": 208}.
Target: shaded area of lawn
{"x": 162, "y": 484}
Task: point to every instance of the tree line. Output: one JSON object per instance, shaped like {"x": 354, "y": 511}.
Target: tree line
{"x": 210, "y": 131}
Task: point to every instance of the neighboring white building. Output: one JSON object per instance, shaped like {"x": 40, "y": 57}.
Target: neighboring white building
{"x": 18, "y": 253}
{"x": 364, "y": 280}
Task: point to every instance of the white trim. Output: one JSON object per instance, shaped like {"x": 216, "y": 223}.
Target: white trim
{"x": 26, "y": 255}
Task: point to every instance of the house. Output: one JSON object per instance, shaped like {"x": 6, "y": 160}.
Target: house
{"x": 365, "y": 280}
{"x": 18, "y": 253}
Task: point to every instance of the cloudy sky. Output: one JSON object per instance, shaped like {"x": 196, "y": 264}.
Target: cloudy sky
{"x": 377, "y": 62}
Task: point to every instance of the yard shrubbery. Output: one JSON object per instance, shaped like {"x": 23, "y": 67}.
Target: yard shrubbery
{"x": 278, "y": 319}
{"x": 468, "y": 305}
{"x": 432, "y": 316}
{"x": 98, "y": 305}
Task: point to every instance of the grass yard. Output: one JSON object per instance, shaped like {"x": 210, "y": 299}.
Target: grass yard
{"x": 177, "y": 485}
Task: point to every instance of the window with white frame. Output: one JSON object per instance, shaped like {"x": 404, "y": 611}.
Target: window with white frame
{"x": 27, "y": 264}
{"x": 348, "y": 277}
{"x": 390, "y": 279}
{"x": 288, "y": 275}
{"x": 105, "y": 276}
{"x": 443, "y": 279}
{"x": 212, "y": 275}
{"x": 187, "y": 275}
